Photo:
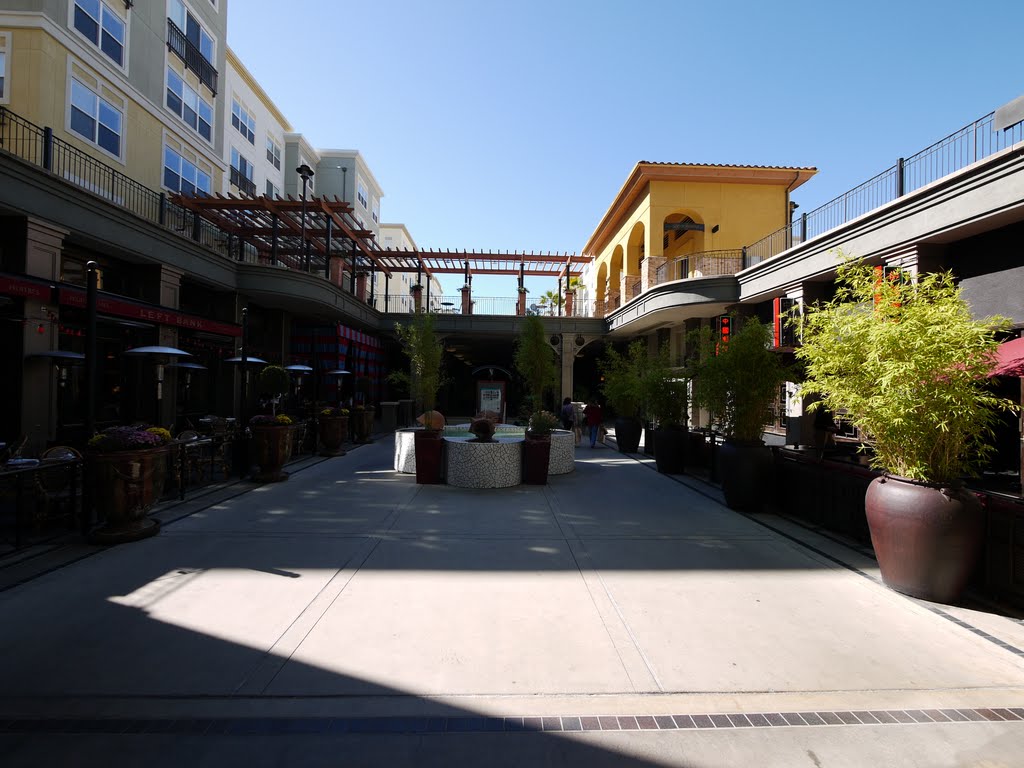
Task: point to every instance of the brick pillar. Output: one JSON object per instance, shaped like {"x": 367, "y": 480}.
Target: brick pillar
{"x": 521, "y": 303}
{"x": 569, "y": 298}
{"x": 337, "y": 268}
{"x": 416, "y": 292}
{"x": 361, "y": 286}
{"x": 467, "y": 300}
{"x": 649, "y": 271}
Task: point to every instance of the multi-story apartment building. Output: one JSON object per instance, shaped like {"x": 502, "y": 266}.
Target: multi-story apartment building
{"x": 396, "y": 237}
{"x": 137, "y": 86}
{"x": 254, "y": 143}
{"x": 344, "y": 173}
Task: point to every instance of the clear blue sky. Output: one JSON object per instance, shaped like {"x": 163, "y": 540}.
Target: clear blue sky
{"x": 513, "y": 125}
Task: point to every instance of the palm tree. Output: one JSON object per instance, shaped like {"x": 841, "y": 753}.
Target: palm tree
{"x": 550, "y": 299}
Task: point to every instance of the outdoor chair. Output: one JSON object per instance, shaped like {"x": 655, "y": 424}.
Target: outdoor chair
{"x": 58, "y": 485}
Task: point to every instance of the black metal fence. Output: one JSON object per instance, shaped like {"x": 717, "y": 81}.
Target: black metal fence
{"x": 971, "y": 143}
{"x": 704, "y": 264}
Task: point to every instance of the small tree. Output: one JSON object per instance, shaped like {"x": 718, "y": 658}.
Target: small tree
{"x": 275, "y": 382}
{"x": 908, "y": 364}
{"x": 665, "y": 396}
{"x": 737, "y": 381}
{"x": 535, "y": 361}
{"x": 625, "y": 386}
{"x": 422, "y": 347}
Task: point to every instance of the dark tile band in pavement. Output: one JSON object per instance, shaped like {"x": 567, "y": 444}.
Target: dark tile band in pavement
{"x": 547, "y": 724}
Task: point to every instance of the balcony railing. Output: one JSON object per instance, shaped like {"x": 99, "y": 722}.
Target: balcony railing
{"x": 192, "y": 56}
{"x": 245, "y": 185}
{"x": 958, "y": 150}
{"x": 704, "y": 264}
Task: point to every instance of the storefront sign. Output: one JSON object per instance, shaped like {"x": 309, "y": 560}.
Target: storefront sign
{"x": 108, "y": 305}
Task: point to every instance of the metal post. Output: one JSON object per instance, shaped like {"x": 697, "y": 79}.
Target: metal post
{"x": 373, "y": 286}
{"x": 244, "y": 363}
{"x": 91, "y": 370}
{"x": 428, "y": 294}
{"x": 161, "y": 214}
{"x": 48, "y": 149}
{"x": 559, "y": 296}
{"x": 387, "y": 291}
{"x": 305, "y": 245}
{"x": 900, "y": 183}
{"x": 327, "y": 248}
{"x": 275, "y": 225}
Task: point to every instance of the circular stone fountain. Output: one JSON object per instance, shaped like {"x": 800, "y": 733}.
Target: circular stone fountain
{"x": 498, "y": 464}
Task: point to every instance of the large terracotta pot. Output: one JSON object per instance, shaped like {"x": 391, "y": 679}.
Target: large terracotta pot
{"x": 333, "y": 432}
{"x": 927, "y": 538}
{"x": 745, "y": 467}
{"x": 362, "y": 425}
{"x": 536, "y": 457}
{"x": 627, "y": 434}
{"x": 271, "y": 449}
{"x": 125, "y": 485}
{"x": 428, "y": 456}
{"x": 670, "y": 446}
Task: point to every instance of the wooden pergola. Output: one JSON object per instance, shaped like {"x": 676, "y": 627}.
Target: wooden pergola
{"x": 307, "y": 235}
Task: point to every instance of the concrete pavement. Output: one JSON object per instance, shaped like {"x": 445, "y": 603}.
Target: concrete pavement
{"x": 613, "y": 617}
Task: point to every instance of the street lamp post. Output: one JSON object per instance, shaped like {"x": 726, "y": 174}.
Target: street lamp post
{"x": 306, "y": 173}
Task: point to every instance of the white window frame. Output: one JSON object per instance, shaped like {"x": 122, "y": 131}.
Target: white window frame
{"x": 190, "y": 94}
{"x": 361, "y": 195}
{"x": 182, "y": 24}
{"x": 272, "y": 191}
{"x": 236, "y": 157}
{"x": 96, "y": 116}
{"x": 5, "y": 63}
{"x": 273, "y": 153}
{"x": 105, "y": 12}
{"x": 182, "y": 161}
{"x": 243, "y": 121}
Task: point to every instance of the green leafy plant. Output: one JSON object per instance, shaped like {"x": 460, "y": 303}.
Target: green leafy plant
{"x": 274, "y": 381}
{"x": 664, "y": 391}
{"x": 624, "y": 385}
{"x": 423, "y": 348}
{"x": 738, "y": 381}
{"x": 535, "y": 360}
{"x": 541, "y": 423}
{"x": 334, "y": 412}
{"x": 908, "y": 365}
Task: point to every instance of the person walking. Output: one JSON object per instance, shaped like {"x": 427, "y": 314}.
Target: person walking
{"x": 594, "y": 417}
{"x": 567, "y": 414}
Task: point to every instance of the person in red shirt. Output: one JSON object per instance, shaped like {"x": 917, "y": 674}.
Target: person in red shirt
{"x": 593, "y": 414}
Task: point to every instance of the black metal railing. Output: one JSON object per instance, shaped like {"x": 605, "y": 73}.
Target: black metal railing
{"x": 703, "y": 264}
{"x": 245, "y": 185}
{"x": 192, "y": 56}
{"x": 971, "y": 143}
{"x": 39, "y": 502}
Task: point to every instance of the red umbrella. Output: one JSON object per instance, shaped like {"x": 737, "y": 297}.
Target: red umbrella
{"x": 1009, "y": 360}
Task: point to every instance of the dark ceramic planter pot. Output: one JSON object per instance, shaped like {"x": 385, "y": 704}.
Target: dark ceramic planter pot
{"x": 271, "y": 447}
{"x": 746, "y": 472}
{"x": 362, "y": 425}
{"x": 429, "y": 456}
{"x": 333, "y": 432}
{"x": 670, "y": 450}
{"x": 125, "y": 486}
{"x": 627, "y": 434}
{"x": 927, "y": 538}
{"x": 536, "y": 457}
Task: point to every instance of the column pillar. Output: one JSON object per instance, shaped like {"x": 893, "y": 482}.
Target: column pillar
{"x": 521, "y": 303}
{"x": 416, "y": 292}
{"x": 361, "y": 286}
{"x": 467, "y": 299}
{"x": 44, "y": 245}
{"x": 649, "y": 271}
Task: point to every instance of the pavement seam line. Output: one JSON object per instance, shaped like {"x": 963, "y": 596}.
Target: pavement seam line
{"x": 555, "y": 509}
{"x": 934, "y": 609}
{"x": 276, "y": 662}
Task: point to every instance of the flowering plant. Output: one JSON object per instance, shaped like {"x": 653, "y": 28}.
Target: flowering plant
{"x": 541, "y": 423}
{"x": 334, "y": 411}
{"x": 266, "y": 420}
{"x": 135, "y": 438}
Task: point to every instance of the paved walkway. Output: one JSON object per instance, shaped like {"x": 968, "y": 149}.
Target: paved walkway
{"x": 613, "y": 617}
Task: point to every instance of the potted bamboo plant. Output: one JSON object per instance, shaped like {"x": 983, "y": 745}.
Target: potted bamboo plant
{"x": 535, "y": 362}
{"x": 624, "y": 389}
{"x": 666, "y": 398}
{"x": 737, "y": 380}
{"x": 423, "y": 348}
{"x": 908, "y": 364}
{"x": 272, "y": 433}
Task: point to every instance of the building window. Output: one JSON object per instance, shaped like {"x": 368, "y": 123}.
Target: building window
{"x": 3, "y": 76}
{"x": 361, "y": 194}
{"x": 193, "y": 30}
{"x": 375, "y": 213}
{"x": 242, "y": 173}
{"x": 272, "y": 192}
{"x": 273, "y": 153}
{"x": 95, "y": 119}
{"x": 102, "y": 27}
{"x": 189, "y": 106}
{"x": 182, "y": 176}
{"x": 243, "y": 121}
